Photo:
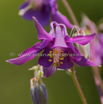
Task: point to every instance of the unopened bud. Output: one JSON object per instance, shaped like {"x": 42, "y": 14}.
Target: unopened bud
{"x": 38, "y": 91}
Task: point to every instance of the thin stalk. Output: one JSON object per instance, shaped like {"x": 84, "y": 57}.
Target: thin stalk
{"x": 95, "y": 69}
{"x": 77, "y": 85}
{"x": 96, "y": 73}
{"x": 70, "y": 12}
{"x": 99, "y": 89}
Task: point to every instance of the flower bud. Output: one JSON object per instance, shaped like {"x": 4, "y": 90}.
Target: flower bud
{"x": 38, "y": 91}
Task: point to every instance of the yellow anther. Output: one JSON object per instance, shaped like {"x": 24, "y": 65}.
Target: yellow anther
{"x": 63, "y": 55}
{"x": 61, "y": 62}
{"x": 61, "y": 58}
{"x": 56, "y": 51}
{"x": 50, "y": 60}
{"x": 50, "y": 51}
{"x": 50, "y": 55}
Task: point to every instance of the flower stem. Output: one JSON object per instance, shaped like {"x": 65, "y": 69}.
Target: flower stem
{"x": 70, "y": 12}
{"x": 77, "y": 85}
{"x": 99, "y": 89}
{"x": 96, "y": 73}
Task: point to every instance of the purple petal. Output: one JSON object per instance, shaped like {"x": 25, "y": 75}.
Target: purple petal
{"x": 43, "y": 15}
{"x": 77, "y": 52}
{"x": 98, "y": 59}
{"x": 44, "y": 59}
{"x": 54, "y": 9}
{"x": 52, "y": 29}
{"x": 53, "y": 26}
{"x": 23, "y": 5}
{"x": 27, "y": 55}
{"x": 58, "y": 17}
{"x": 80, "y": 60}
{"x": 42, "y": 34}
{"x": 64, "y": 30}
{"x": 97, "y": 53}
{"x": 52, "y": 2}
{"x": 59, "y": 38}
{"x": 82, "y": 40}
{"x": 48, "y": 71}
{"x": 46, "y": 43}
{"x": 67, "y": 38}
{"x": 67, "y": 62}
{"x": 70, "y": 47}
{"x": 100, "y": 37}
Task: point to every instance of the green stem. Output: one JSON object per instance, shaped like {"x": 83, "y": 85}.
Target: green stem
{"x": 77, "y": 85}
{"x": 70, "y": 12}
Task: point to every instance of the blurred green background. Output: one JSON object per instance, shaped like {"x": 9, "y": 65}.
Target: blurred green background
{"x": 17, "y": 34}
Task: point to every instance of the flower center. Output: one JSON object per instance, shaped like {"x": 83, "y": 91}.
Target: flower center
{"x": 57, "y": 56}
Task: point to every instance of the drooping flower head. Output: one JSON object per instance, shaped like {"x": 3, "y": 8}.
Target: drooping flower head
{"x": 86, "y": 22}
{"x": 97, "y": 43}
{"x": 59, "y": 51}
{"x": 43, "y": 10}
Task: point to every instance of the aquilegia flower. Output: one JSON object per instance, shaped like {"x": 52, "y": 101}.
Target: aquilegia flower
{"x": 97, "y": 43}
{"x": 59, "y": 51}
{"x": 43, "y": 10}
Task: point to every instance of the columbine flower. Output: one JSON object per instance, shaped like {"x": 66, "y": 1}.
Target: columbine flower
{"x": 43, "y": 10}
{"x": 59, "y": 51}
{"x": 97, "y": 43}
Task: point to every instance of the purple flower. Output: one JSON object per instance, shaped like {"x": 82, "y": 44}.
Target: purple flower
{"x": 43, "y": 10}
{"x": 59, "y": 51}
